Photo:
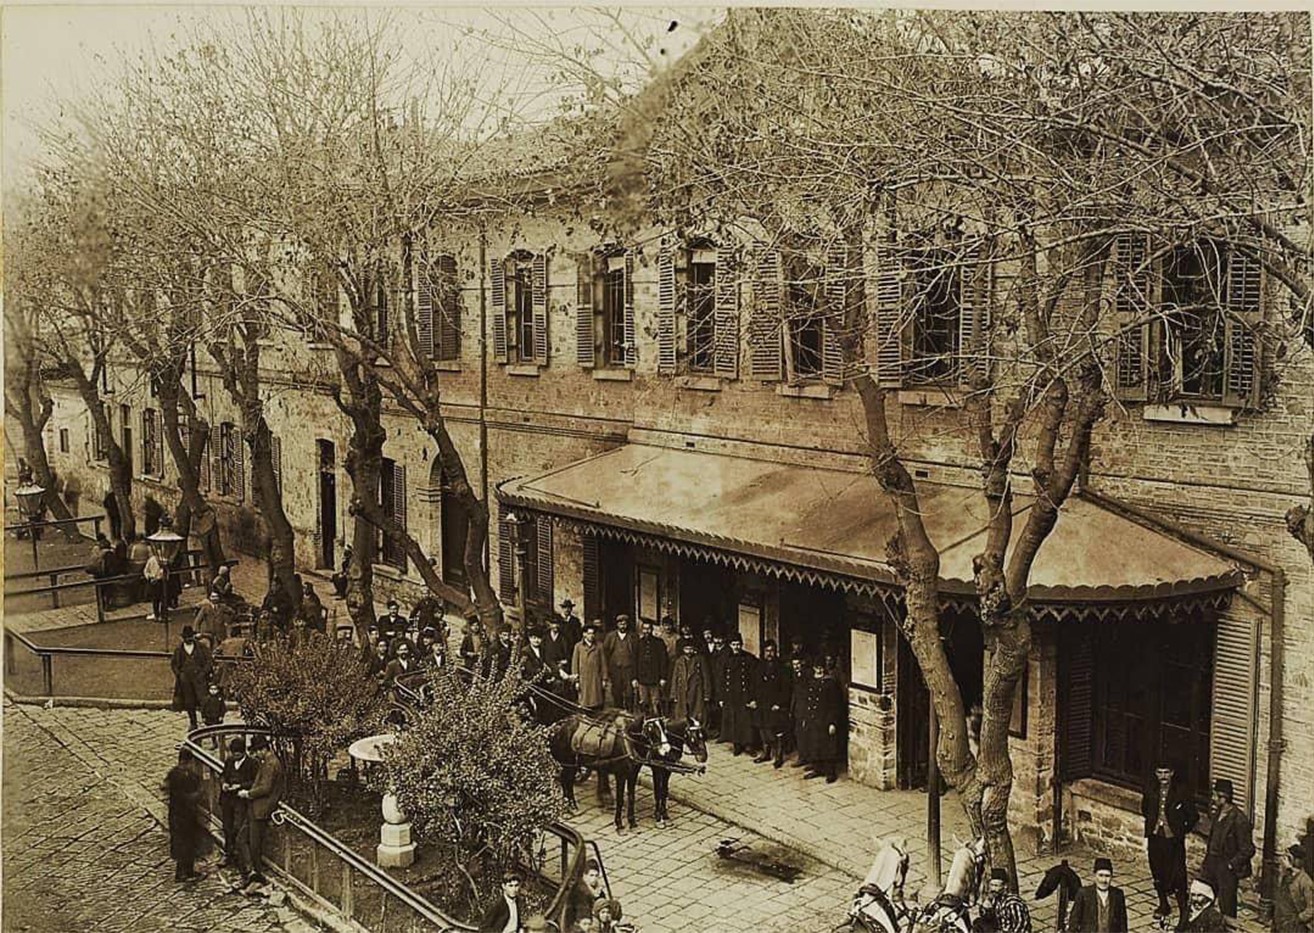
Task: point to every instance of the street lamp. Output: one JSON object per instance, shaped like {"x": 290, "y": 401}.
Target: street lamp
{"x": 517, "y": 527}
{"x": 164, "y": 545}
{"x": 31, "y": 506}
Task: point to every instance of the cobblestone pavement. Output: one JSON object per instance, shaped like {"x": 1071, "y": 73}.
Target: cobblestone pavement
{"x": 84, "y": 849}
{"x": 839, "y": 825}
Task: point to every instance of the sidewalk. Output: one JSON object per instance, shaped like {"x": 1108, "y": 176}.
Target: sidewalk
{"x": 840, "y": 825}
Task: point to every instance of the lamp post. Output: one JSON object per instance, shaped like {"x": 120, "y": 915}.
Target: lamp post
{"x": 30, "y": 498}
{"x": 164, "y": 545}
{"x": 516, "y": 529}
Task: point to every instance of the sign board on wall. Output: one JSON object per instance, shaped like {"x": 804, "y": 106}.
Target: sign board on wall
{"x": 865, "y": 659}
{"x": 649, "y": 594}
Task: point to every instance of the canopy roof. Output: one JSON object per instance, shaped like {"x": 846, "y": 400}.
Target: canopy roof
{"x": 839, "y": 522}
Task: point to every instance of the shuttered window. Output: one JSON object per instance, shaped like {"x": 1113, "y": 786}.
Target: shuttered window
{"x": 935, "y": 324}
{"x": 667, "y": 311}
{"x": 1232, "y": 739}
{"x": 152, "y": 444}
{"x": 276, "y": 458}
{"x": 1076, "y": 677}
{"x": 205, "y": 478}
{"x": 700, "y": 304}
{"x": 974, "y": 317}
{"x": 766, "y": 323}
{"x": 438, "y": 310}
{"x": 727, "y": 314}
{"x": 592, "y": 578}
{"x": 506, "y": 557}
{"x": 585, "y": 272}
{"x": 1187, "y": 322}
{"x": 1132, "y": 300}
{"x": 543, "y": 560}
{"x": 889, "y": 317}
{"x": 520, "y": 299}
{"x": 392, "y": 498}
{"x": 833, "y": 318}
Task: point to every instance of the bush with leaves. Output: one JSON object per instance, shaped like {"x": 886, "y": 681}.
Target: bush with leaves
{"x": 316, "y": 696}
{"x": 475, "y": 774}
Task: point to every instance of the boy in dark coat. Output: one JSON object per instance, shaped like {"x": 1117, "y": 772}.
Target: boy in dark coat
{"x": 770, "y": 704}
{"x": 213, "y": 709}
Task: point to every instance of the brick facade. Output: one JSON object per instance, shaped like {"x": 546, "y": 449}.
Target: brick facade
{"x": 1231, "y": 483}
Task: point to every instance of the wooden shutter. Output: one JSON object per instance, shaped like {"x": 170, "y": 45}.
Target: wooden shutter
{"x": 631, "y": 344}
{"x": 239, "y": 464}
{"x": 974, "y": 295}
{"x": 506, "y": 556}
{"x": 832, "y": 323}
{"x": 447, "y": 305}
{"x": 889, "y": 313}
{"x": 1244, "y": 306}
{"x": 1132, "y": 303}
{"x": 159, "y": 443}
{"x": 539, "y": 303}
{"x": 1231, "y": 738}
{"x": 424, "y": 302}
{"x": 543, "y": 555}
{"x": 399, "y": 510}
{"x": 205, "y": 460}
{"x": 764, "y": 334}
{"x": 666, "y": 309}
{"x": 1076, "y": 679}
{"x": 726, "y": 316}
{"x": 592, "y": 578}
{"x": 276, "y": 458}
{"x": 584, "y": 341}
{"x": 497, "y": 288}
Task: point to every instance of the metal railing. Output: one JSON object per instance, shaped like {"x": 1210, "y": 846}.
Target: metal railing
{"x": 103, "y": 586}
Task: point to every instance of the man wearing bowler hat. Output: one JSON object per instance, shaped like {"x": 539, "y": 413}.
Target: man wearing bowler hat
{"x": 571, "y": 626}
{"x": 264, "y": 795}
{"x": 1099, "y": 907}
{"x": 191, "y": 674}
{"x": 1231, "y": 847}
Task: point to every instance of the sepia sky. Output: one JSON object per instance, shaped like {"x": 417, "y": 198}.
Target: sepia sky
{"x": 51, "y": 54}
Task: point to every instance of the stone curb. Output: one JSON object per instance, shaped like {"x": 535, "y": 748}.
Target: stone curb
{"x": 85, "y": 702}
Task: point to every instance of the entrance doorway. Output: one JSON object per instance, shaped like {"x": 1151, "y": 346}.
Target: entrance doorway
{"x": 965, "y": 645}
{"x": 709, "y": 597}
{"x": 328, "y": 502}
{"x": 617, "y": 583}
{"x": 814, "y": 617}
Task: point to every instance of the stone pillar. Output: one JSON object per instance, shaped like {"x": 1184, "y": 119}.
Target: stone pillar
{"x": 396, "y": 850}
{"x": 1035, "y": 754}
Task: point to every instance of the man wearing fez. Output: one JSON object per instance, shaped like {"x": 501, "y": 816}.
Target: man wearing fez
{"x": 1001, "y": 909}
{"x": 1099, "y": 907}
{"x": 822, "y": 741}
{"x": 770, "y": 705}
{"x": 1230, "y": 849}
{"x": 737, "y": 674}
{"x": 1169, "y": 816}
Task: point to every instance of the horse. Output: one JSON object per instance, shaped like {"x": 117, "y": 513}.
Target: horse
{"x": 948, "y": 913}
{"x": 682, "y": 735}
{"x": 611, "y": 742}
{"x": 878, "y": 906}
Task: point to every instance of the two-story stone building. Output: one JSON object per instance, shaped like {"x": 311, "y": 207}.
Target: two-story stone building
{"x": 674, "y": 423}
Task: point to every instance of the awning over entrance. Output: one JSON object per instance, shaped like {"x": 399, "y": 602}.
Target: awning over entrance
{"x": 839, "y": 522}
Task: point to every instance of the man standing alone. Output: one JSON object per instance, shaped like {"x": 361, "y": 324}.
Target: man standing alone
{"x": 1231, "y": 847}
{"x": 1169, "y": 817}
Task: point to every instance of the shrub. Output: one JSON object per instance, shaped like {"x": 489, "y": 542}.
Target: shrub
{"x": 316, "y": 696}
{"x": 472, "y": 772}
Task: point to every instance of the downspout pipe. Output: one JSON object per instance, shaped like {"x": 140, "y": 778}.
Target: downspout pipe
{"x": 1276, "y": 610}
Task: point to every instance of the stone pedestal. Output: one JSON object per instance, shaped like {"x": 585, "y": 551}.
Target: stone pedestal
{"x": 396, "y": 850}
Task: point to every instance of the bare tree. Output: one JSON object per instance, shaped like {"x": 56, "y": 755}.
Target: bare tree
{"x": 1039, "y": 166}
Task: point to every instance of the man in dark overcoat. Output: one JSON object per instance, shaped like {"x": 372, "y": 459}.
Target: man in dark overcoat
{"x": 557, "y": 648}
{"x": 497, "y": 656}
{"x": 571, "y": 626}
{"x": 264, "y": 796}
{"x": 717, "y": 653}
{"x": 1230, "y": 849}
{"x": 823, "y": 723}
{"x": 800, "y": 675}
{"x": 239, "y": 774}
{"x": 1169, "y": 816}
{"x": 691, "y": 683}
{"x": 737, "y": 675}
{"x": 191, "y": 674}
{"x": 770, "y": 704}
{"x": 1099, "y": 907}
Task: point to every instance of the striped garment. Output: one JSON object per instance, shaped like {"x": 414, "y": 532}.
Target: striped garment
{"x": 1010, "y": 914}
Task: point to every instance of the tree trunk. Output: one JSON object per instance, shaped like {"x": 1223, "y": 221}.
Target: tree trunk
{"x": 364, "y": 462}
{"x": 120, "y": 470}
{"x": 34, "y": 447}
{"x": 264, "y": 487}
{"x": 194, "y": 511}
{"x": 1300, "y": 518}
